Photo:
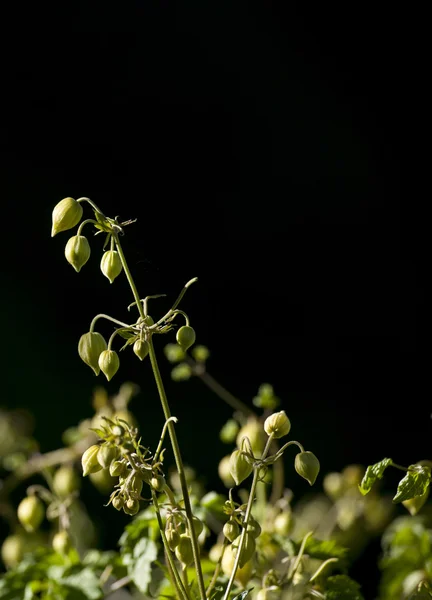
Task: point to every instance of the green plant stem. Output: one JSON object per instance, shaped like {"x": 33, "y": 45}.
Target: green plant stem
{"x": 129, "y": 275}
{"x": 102, "y": 316}
{"x": 172, "y": 577}
{"x": 222, "y": 392}
{"x": 180, "y": 467}
{"x": 218, "y": 568}
{"x": 246, "y": 519}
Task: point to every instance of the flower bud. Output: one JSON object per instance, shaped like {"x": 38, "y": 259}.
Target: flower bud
{"x": 225, "y": 472}
{"x": 215, "y": 552}
{"x": 65, "y": 481}
{"x": 197, "y": 525}
{"x": 117, "y": 468}
{"x": 109, "y": 363}
{"x": 283, "y": 523}
{"x": 131, "y": 506}
{"x": 77, "y": 251}
{"x": 90, "y": 347}
{"x": 229, "y": 431}
{"x": 254, "y": 528}
{"x": 141, "y": 349}
{"x": 174, "y": 353}
{"x": 61, "y": 542}
{"x": 158, "y": 483}
{"x": 181, "y": 372}
{"x": 136, "y": 484}
{"x": 240, "y": 468}
{"x": 111, "y": 265}
{"x": 12, "y": 550}
{"x": 307, "y": 466}
{"x": 228, "y": 560}
{"x": 334, "y": 485}
{"x": 253, "y": 430}
{"x": 31, "y": 513}
{"x": 413, "y": 505}
{"x": 183, "y": 550}
{"x": 106, "y": 455}
{"x": 89, "y": 460}
{"x": 118, "y": 502}
{"x": 173, "y": 537}
{"x": 231, "y": 530}
{"x": 200, "y": 353}
{"x": 185, "y": 337}
{"x": 248, "y": 549}
{"x": 66, "y": 214}
{"x": 277, "y": 424}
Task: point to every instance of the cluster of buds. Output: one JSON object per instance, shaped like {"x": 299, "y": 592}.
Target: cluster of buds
{"x": 186, "y": 366}
{"x": 178, "y": 534}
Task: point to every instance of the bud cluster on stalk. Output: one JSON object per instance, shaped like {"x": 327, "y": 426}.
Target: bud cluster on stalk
{"x": 178, "y": 534}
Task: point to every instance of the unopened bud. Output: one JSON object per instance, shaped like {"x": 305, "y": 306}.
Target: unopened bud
{"x": 158, "y": 483}
{"x": 89, "y": 460}
{"x": 277, "y": 424}
{"x": 77, "y": 251}
{"x": 136, "y": 484}
{"x": 307, "y": 466}
{"x": 173, "y": 537}
{"x": 61, "y": 542}
{"x": 174, "y": 353}
{"x": 90, "y": 347}
{"x": 247, "y": 550}
{"x": 13, "y": 549}
{"x": 240, "y": 468}
{"x": 65, "y": 481}
{"x": 118, "y": 502}
{"x": 334, "y": 485}
{"x": 107, "y": 454}
{"x": 183, "y": 550}
{"x": 283, "y": 523}
{"x": 228, "y": 560}
{"x": 111, "y": 265}
{"x": 186, "y": 337}
{"x": 117, "y": 468}
{"x": 231, "y": 530}
{"x": 254, "y": 528}
{"x": 131, "y": 506}
{"x": 31, "y": 513}
{"x": 229, "y": 431}
{"x": 253, "y": 430}
{"x": 109, "y": 363}
{"x": 197, "y": 525}
{"x": 181, "y": 372}
{"x": 224, "y": 471}
{"x": 141, "y": 348}
{"x": 200, "y": 353}
{"x": 66, "y": 214}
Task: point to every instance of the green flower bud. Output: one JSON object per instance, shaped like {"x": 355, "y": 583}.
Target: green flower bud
{"x": 65, "y": 481}
{"x": 117, "y": 430}
{"x": 141, "y": 349}
{"x": 181, "y": 372}
{"x": 224, "y": 471}
{"x": 61, "y": 542}
{"x": 197, "y": 525}
{"x": 107, "y": 454}
{"x": 109, "y": 363}
{"x": 148, "y": 320}
{"x": 183, "y": 550}
{"x": 282, "y": 524}
{"x": 231, "y": 530}
{"x": 277, "y": 424}
{"x": 111, "y": 265}
{"x": 413, "y": 505}
{"x": 31, "y": 513}
{"x": 131, "y": 506}
{"x": 186, "y": 337}
{"x": 215, "y": 552}
{"x": 90, "y": 347}
{"x": 273, "y": 592}
{"x": 174, "y": 353}
{"x": 118, "y": 502}
{"x": 136, "y": 484}
{"x": 229, "y": 431}
{"x": 89, "y": 460}
{"x": 228, "y": 560}
{"x": 12, "y": 550}
{"x": 117, "y": 468}
{"x": 200, "y": 353}
{"x": 334, "y": 485}
{"x": 66, "y": 214}
{"x": 307, "y": 466}
{"x": 254, "y": 528}
{"x": 240, "y": 468}
{"x": 173, "y": 537}
{"x": 248, "y": 549}
{"x": 253, "y": 430}
{"x": 158, "y": 483}
{"x": 77, "y": 251}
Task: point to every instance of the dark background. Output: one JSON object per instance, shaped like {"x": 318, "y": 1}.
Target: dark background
{"x": 272, "y": 149}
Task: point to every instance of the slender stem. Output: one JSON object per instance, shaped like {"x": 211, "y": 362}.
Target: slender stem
{"x": 246, "y": 519}
{"x": 185, "y": 577}
{"x": 278, "y": 477}
{"x": 102, "y": 316}
{"x": 91, "y": 204}
{"x": 129, "y": 275}
{"x": 80, "y": 228}
{"x": 322, "y": 567}
{"x": 161, "y": 441}
{"x": 172, "y": 577}
{"x": 218, "y": 568}
{"x": 223, "y": 393}
{"x": 400, "y": 467}
{"x": 180, "y": 467}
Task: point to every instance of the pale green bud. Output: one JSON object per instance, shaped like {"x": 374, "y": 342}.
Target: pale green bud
{"x": 229, "y": 431}
{"x": 334, "y": 485}
{"x": 228, "y": 560}
{"x": 253, "y": 430}
{"x": 197, "y": 525}
{"x": 118, "y": 502}
{"x": 254, "y": 528}
{"x": 183, "y": 550}
{"x": 31, "y": 513}
{"x": 158, "y": 483}
{"x": 106, "y": 455}
{"x": 277, "y": 424}
{"x": 247, "y": 550}
{"x": 66, "y": 214}
{"x": 240, "y": 468}
{"x": 231, "y": 530}
{"x": 111, "y": 265}
{"x": 200, "y": 353}
{"x": 12, "y": 550}
{"x": 77, "y": 251}
{"x": 89, "y": 461}
{"x": 117, "y": 468}
{"x": 141, "y": 349}
{"x": 174, "y": 353}
{"x": 181, "y": 372}
{"x": 224, "y": 471}
{"x": 90, "y": 347}
{"x": 65, "y": 481}
{"x": 131, "y": 506}
{"x": 61, "y": 542}
{"x": 173, "y": 537}
{"x": 109, "y": 363}
{"x": 186, "y": 337}
{"x": 283, "y": 523}
{"x": 307, "y": 466}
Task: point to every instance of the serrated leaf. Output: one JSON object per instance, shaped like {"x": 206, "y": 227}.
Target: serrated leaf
{"x": 415, "y": 483}
{"x": 342, "y": 587}
{"x": 374, "y": 472}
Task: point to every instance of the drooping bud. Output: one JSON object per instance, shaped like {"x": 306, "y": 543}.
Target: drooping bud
{"x": 136, "y": 483}
{"x": 141, "y": 348}
{"x": 173, "y": 537}
{"x": 131, "y": 506}
{"x": 77, "y": 251}
{"x": 31, "y": 513}
{"x": 307, "y": 466}
{"x": 197, "y": 525}
{"x": 107, "y": 454}
{"x": 248, "y": 549}
{"x": 118, "y": 502}
{"x": 158, "y": 483}
{"x": 228, "y": 560}
{"x": 90, "y": 347}
{"x": 334, "y": 485}
{"x": 224, "y": 471}
{"x": 181, "y": 372}
{"x": 183, "y": 550}
{"x": 111, "y": 265}
{"x": 283, "y": 523}
{"x": 240, "y": 468}
{"x": 231, "y": 530}
{"x": 277, "y": 424}
{"x": 89, "y": 460}
{"x": 109, "y": 363}
{"x": 12, "y": 550}
{"x": 65, "y": 481}
{"x": 66, "y": 214}
{"x": 200, "y": 353}
{"x": 186, "y": 337}
{"x": 253, "y": 430}
{"x": 61, "y": 542}
{"x": 254, "y": 528}
{"x": 174, "y": 353}
{"x": 117, "y": 468}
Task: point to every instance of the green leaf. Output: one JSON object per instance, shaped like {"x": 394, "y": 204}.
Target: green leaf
{"x": 323, "y": 549}
{"x": 126, "y": 333}
{"x": 374, "y": 472}
{"x": 342, "y": 587}
{"x": 243, "y": 595}
{"x": 144, "y": 553}
{"x": 82, "y": 582}
{"x": 415, "y": 483}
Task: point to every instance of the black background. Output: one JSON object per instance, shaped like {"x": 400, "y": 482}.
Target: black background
{"x": 273, "y": 150}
